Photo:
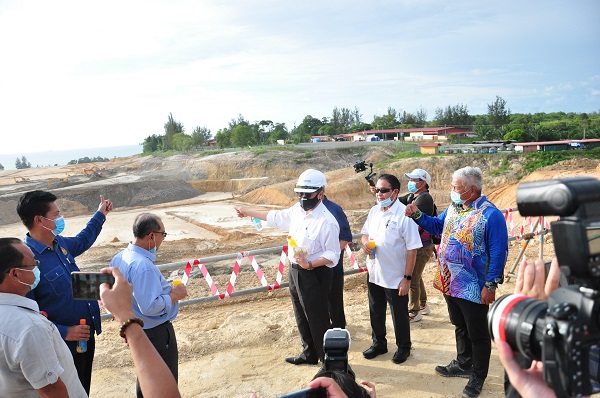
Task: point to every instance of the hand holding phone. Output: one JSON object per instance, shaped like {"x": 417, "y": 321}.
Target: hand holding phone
{"x": 86, "y": 285}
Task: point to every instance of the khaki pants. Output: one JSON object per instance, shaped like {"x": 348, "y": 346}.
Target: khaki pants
{"x": 418, "y": 295}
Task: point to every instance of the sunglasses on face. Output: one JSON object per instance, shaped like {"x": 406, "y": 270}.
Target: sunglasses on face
{"x": 382, "y": 190}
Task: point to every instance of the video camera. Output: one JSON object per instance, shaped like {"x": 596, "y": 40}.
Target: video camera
{"x": 362, "y": 166}
{"x": 562, "y": 331}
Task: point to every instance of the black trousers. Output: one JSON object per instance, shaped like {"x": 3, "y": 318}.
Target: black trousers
{"x": 83, "y": 361}
{"x": 473, "y": 342}
{"x": 163, "y": 339}
{"x": 309, "y": 291}
{"x": 379, "y": 297}
{"x": 336, "y": 302}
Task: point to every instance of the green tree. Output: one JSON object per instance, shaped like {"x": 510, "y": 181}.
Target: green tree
{"x": 279, "y": 132}
{"x": 309, "y": 127}
{"x": 22, "y": 163}
{"x": 1, "y": 167}
{"x": 387, "y": 121}
{"x": 498, "y": 113}
{"x": 242, "y": 135}
{"x": 200, "y": 136}
{"x": 515, "y": 135}
{"x": 223, "y": 138}
{"x": 182, "y": 142}
{"x": 152, "y": 143}
{"x": 172, "y": 127}
{"x": 457, "y": 115}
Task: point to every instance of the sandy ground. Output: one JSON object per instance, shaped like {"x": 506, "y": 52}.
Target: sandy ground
{"x": 232, "y": 347}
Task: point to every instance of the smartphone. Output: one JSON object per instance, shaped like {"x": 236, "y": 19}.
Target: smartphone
{"x": 318, "y": 392}
{"x": 86, "y": 285}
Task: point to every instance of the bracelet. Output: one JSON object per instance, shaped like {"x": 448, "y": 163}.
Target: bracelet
{"x": 310, "y": 266}
{"x": 128, "y": 323}
{"x": 416, "y": 215}
{"x": 408, "y": 277}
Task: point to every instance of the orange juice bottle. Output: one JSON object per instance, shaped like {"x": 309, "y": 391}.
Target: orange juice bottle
{"x": 372, "y": 246}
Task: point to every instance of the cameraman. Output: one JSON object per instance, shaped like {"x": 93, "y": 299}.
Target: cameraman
{"x": 528, "y": 382}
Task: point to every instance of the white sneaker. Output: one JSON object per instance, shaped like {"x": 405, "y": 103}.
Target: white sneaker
{"x": 425, "y": 310}
{"x": 415, "y": 316}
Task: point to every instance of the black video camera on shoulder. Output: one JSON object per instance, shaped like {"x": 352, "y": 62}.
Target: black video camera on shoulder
{"x": 564, "y": 331}
{"x": 361, "y": 165}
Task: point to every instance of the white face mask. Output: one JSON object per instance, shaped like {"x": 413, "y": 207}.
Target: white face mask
{"x": 455, "y": 196}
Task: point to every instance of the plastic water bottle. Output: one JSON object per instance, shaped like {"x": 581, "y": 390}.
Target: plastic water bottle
{"x": 257, "y": 223}
{"x": 82, "y": 345}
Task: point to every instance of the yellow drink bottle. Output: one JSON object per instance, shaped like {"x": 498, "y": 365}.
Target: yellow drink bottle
{"x": 372, "y": 246}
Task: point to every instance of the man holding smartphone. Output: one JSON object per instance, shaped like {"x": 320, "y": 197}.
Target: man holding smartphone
{"x": 42, "y": 218}
{"x": 33, "y": 358}
{"x": 155, "y": 301}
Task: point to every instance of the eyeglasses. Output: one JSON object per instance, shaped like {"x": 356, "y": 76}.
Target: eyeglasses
{"x": 36, "y": 264}
{"x": 382, "y": 190}
{"x": 164, "y": 234}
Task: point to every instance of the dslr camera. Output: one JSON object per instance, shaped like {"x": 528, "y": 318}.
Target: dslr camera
{"x": 361, "y": 165}
{"x": 336, "y": 343}
{"x": 562, "y": 331}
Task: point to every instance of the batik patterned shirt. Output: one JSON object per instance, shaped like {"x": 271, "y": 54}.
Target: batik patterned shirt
{"x": 473, "y": 249}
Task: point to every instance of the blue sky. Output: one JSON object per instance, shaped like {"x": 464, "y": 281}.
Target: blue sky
{"x": 78, "y": 74}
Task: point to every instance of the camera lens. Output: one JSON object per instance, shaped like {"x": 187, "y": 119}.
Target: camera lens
{"x": 519, "y": 320}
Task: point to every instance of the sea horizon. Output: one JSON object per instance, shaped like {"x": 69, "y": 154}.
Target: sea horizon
{"x": 61, "y": 158}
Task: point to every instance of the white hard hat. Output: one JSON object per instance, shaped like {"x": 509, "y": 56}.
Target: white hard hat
{"x": 310, "y": 180}
{"x": 420, "y": 174}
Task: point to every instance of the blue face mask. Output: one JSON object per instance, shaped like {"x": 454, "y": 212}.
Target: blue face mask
{"x": 412, "y": 187}
{"x": 153, "y": 250}
{"x": 455, "y": 196}
{"x": 387, "y": 202}
{"x": 59, "y": 225}
{"x": 36, "y": 273}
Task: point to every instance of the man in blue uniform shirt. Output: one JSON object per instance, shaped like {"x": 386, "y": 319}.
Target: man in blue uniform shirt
{"x": 336, "y": 294}
{"x": 56, "y": 254}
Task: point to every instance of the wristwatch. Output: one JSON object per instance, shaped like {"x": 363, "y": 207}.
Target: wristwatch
{"x": 310, "y": 266}
{"x": 491, "y": 286}
{"x": 408, "y": 277}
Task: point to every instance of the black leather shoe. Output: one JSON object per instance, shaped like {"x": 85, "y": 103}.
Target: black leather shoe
{"x": 374, "y": 351}
{"x": 401, "y": 355}
{"x": 453, "y": 369}
{"x": 473, "y": 387}
{"x": 300, "y": 361}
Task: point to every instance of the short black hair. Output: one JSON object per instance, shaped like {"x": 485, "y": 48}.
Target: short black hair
{"x": 34, "y": 203}
{"x": 10, "y": 256}
{"x": 391, "y": 179}
{"x": 145, "y": 223}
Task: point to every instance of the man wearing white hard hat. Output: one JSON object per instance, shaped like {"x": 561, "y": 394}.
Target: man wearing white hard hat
{"x": 313, "y": 250}
{"x": 418, "y": 187}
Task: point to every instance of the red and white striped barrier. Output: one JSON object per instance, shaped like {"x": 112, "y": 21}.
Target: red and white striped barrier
{"x": 234, "y": 274}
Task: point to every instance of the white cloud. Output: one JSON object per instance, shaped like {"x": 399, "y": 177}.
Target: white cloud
{"x": 78, "y": 73}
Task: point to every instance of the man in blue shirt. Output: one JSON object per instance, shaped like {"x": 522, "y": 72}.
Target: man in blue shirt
{"x": 56, "y": 254}
{"x": 154, "y": 300}
{"x": 336, "y": 293}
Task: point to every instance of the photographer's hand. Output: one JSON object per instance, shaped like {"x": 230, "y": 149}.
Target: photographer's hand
{"x": 530, "y": 382}
{"x": 370, "y": 387}
{"x": 531, "y": 279}
{"x": 333, "y": 389}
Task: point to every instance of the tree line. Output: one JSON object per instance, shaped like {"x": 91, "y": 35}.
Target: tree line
{"x": 497, "y": 123}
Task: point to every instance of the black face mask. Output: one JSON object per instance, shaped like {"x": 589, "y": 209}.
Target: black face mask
{"x": 309, "y": 204}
